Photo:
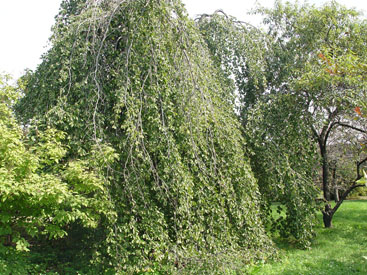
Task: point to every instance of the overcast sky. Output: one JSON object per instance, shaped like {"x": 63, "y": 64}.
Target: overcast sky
{"x": 25, "y": 25}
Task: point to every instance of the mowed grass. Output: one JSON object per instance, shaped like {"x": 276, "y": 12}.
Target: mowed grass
{"x": 338, "y": 250}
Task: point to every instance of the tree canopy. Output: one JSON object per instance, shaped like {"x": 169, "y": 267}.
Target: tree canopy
{"x": 136, "y": 76}
{"x": 295, "y": 90}
{"x": 321, "y": 48}
{"x": 42, "y": 193}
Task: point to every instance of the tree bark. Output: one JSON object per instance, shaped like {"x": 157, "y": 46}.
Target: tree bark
{"x": 327, "y": 216}
{"x": 336, "y": 194}
{"x": 325, "y": 173}
{"x": 334, "y": 185}
{"x": 328, "y": 212}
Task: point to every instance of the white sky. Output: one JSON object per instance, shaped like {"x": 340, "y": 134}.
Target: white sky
{"x": 25, "y": 25}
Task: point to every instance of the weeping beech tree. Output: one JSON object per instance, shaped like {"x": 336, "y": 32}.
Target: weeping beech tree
{"x": 136, "y": 75}
{"x": 282, "y": 157}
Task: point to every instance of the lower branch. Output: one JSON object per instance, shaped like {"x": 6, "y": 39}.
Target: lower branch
{"x": 345, "y": 195}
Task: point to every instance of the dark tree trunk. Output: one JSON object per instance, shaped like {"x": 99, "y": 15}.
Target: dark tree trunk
{"x": 328, "y": 212}
{"x": 327, "y": 216}
{"x": 335, "y": 186}
{"x": 8, "y": 240}
{"x": 325, "y": 173}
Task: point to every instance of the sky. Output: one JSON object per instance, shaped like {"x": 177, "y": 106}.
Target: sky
{"x": 25, "y": 25}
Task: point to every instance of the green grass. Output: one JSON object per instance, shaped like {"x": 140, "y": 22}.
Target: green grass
{"x": 338, "y": 250}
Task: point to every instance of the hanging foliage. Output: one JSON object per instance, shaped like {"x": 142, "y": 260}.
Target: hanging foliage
{"x": 284, "y": 161}
{"x": 238, "y": 49}
{"x": 282, "y": 156}
{"x": 135, "y": 74}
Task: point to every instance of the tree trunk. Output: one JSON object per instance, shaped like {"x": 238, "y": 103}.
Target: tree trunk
{"x": 335, "y": 186}
{"x": 325, "y": 173}
{"x": 328, "y": 212}
{"x": 8, "y": 240}
{"x": 327, "y": 216}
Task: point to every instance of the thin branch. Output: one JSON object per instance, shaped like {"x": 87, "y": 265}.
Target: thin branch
{"x": 358, "y": 168}
{"x": 331, "y": 126}
{"x": 345, "y": 195}
{"x": 243, "y": 23}
{"x": 351, "y": 127}
{"x": 327, "y": 128}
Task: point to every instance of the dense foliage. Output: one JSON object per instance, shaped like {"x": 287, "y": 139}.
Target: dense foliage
{"x": 147, "y": 141}
{"x": 297, "y": 85}
{"x": 42, "y": 194}
{"x": 282, "y": 156}
{"x": 319, "y": 50}
{"x": 137, "y": 75}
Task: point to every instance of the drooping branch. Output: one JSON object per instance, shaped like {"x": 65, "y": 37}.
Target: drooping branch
{"x": 315, "y": 133}
{"x": 220, "y": 11}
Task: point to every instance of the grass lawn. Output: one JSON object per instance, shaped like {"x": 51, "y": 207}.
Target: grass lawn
{"x": 338, "y": 250}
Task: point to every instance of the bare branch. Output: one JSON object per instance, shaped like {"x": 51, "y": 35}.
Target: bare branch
{"x": 331, "y": 126}
{"x": 351, "y": 127}
{"x": 220, "y": 11}
{"x": 345, "y": 195}
{"x": 358, "y": 168}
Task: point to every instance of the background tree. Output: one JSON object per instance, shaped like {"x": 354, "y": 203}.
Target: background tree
{"x": 346, "y": 150}
{"x": 42, "y": 195}
{"x": 238, "y": 49}
{"x": 309, "y": 45}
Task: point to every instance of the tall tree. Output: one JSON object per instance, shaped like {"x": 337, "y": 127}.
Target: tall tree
{"x": 309, "y": 44}
{"x": 136, "y": 75}
{"x": 271, "y": 123}
{"x": 329, "y": 115}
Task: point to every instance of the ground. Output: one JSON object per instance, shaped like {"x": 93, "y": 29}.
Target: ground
{"x": 341, "y": 250}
